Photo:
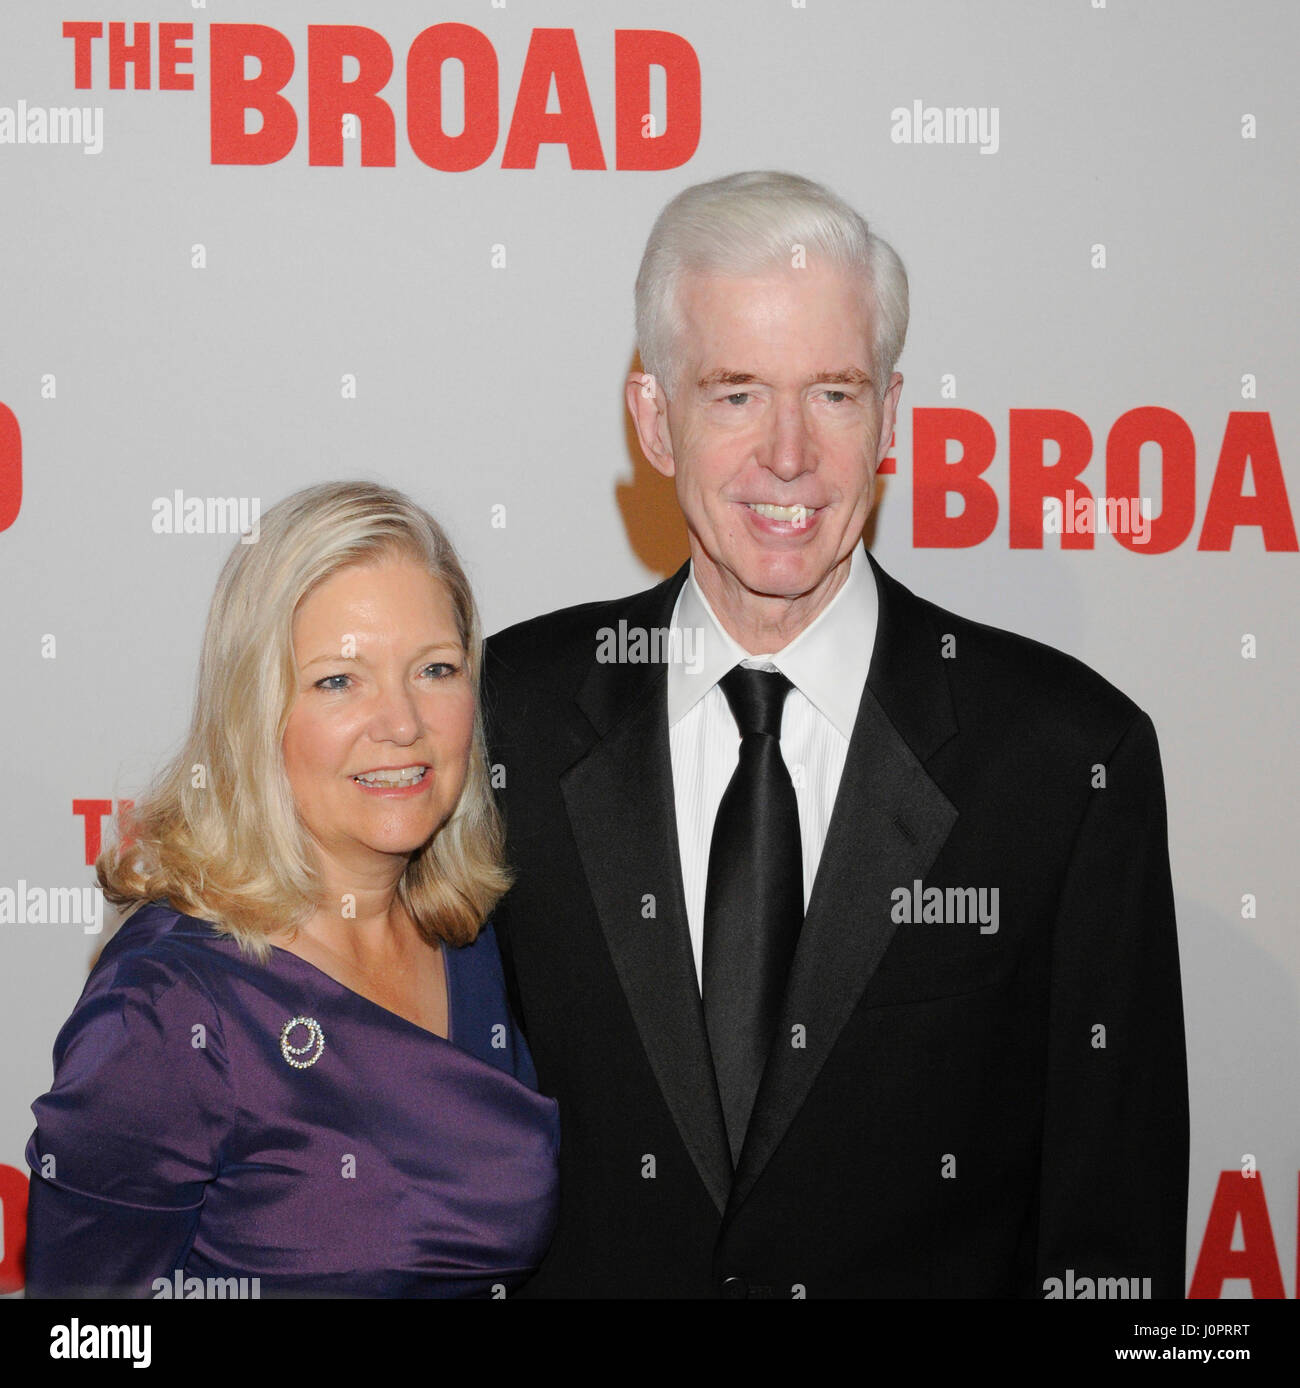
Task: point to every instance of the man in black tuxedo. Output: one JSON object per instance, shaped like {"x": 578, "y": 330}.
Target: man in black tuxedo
{"x": 843, "y": 929}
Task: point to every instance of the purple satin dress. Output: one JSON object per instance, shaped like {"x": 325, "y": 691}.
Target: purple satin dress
{"x": 189, "y": 1136}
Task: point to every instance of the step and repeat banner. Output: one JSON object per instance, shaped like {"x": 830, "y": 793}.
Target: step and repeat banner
{"x": 248, "y": 246}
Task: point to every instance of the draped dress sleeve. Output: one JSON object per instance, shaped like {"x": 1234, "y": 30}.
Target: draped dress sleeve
{"x": 130, "y": 1135}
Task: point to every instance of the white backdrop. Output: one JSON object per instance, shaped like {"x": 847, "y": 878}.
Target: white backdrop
{"x": 167, "y": 322}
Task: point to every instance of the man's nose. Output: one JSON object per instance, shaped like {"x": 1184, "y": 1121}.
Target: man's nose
{"x": 790, "y": 445}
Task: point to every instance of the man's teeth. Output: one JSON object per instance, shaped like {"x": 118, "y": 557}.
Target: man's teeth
{"x": 798, "y": 515}
{"x": 405, "y": 776}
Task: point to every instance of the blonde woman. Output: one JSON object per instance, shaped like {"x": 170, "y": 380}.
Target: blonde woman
{"x": 295, "y": 1061}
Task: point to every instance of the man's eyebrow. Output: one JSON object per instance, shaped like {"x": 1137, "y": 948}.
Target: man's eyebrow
{"x": 724, "y": 377}
{"x": 844, "y": 376}
{"x": 849, "y": 376}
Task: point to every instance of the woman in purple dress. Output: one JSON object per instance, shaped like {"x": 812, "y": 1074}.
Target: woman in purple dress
{"x": 295, "y": 1064}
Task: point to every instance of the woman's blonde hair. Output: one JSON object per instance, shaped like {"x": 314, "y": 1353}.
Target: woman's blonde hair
{"x": 218, "y": 833}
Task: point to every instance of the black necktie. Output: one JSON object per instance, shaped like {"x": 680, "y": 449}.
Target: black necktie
{"x": 753, "y": 903}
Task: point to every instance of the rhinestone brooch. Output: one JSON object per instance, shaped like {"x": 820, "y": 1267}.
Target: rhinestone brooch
{"x": 312, "y": 1049}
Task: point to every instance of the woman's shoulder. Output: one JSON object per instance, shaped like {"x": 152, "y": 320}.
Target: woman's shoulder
{"x": 158, "y": 951}
{"x": 482, "y": 952}
{"x": 157, "y": 922}
{"x": 481, "y": 1019}
{"x": 477, "y": 967}
{"x": 158, "y": 931}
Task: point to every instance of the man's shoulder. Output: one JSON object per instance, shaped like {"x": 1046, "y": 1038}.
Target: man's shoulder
{"x": 995, "y": 673}
{"x": 567, "y": 628}
{"x": 567, "y": 640}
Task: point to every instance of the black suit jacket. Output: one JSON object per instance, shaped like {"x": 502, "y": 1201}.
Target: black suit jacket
{"x": 946, "y": 1110}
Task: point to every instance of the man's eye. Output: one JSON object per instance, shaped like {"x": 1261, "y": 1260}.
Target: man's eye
{"x": 738, "y": 398}
{"x": 836, "y": 396}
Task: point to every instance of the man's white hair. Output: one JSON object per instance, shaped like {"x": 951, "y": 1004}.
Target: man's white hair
{"x": 744, "y": 224}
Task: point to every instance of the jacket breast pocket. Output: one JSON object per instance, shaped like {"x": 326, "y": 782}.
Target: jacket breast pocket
{"x": 912, "y": 971}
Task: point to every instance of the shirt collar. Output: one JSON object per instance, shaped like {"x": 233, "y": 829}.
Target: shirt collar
{"x": 827, "y": 662}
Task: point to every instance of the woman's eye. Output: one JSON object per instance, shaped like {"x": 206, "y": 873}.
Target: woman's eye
{"x": 439, "y": 670}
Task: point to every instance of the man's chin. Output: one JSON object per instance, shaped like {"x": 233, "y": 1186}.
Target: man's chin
{"x": 787, "y": 576}
{"x": 771, "y": 575}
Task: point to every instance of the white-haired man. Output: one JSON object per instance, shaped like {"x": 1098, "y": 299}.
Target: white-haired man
{"x": 847, "y": 946}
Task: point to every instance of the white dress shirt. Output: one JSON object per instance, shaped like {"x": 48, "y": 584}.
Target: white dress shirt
{"x": 827, "y": 663}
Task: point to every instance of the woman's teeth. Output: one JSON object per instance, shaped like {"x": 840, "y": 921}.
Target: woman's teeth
{"x": 404, "y": 776}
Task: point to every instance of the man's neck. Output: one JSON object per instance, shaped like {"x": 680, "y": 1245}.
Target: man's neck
{"x": 761, "y": 623}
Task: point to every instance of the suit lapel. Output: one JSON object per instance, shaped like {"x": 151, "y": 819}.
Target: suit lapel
{"x": 889, "y": 823}
{"x": 619, "y": 798}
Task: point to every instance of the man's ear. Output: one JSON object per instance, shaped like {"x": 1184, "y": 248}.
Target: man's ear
{"x": 648, "y": 406}
{"x": 888, "y": 414}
